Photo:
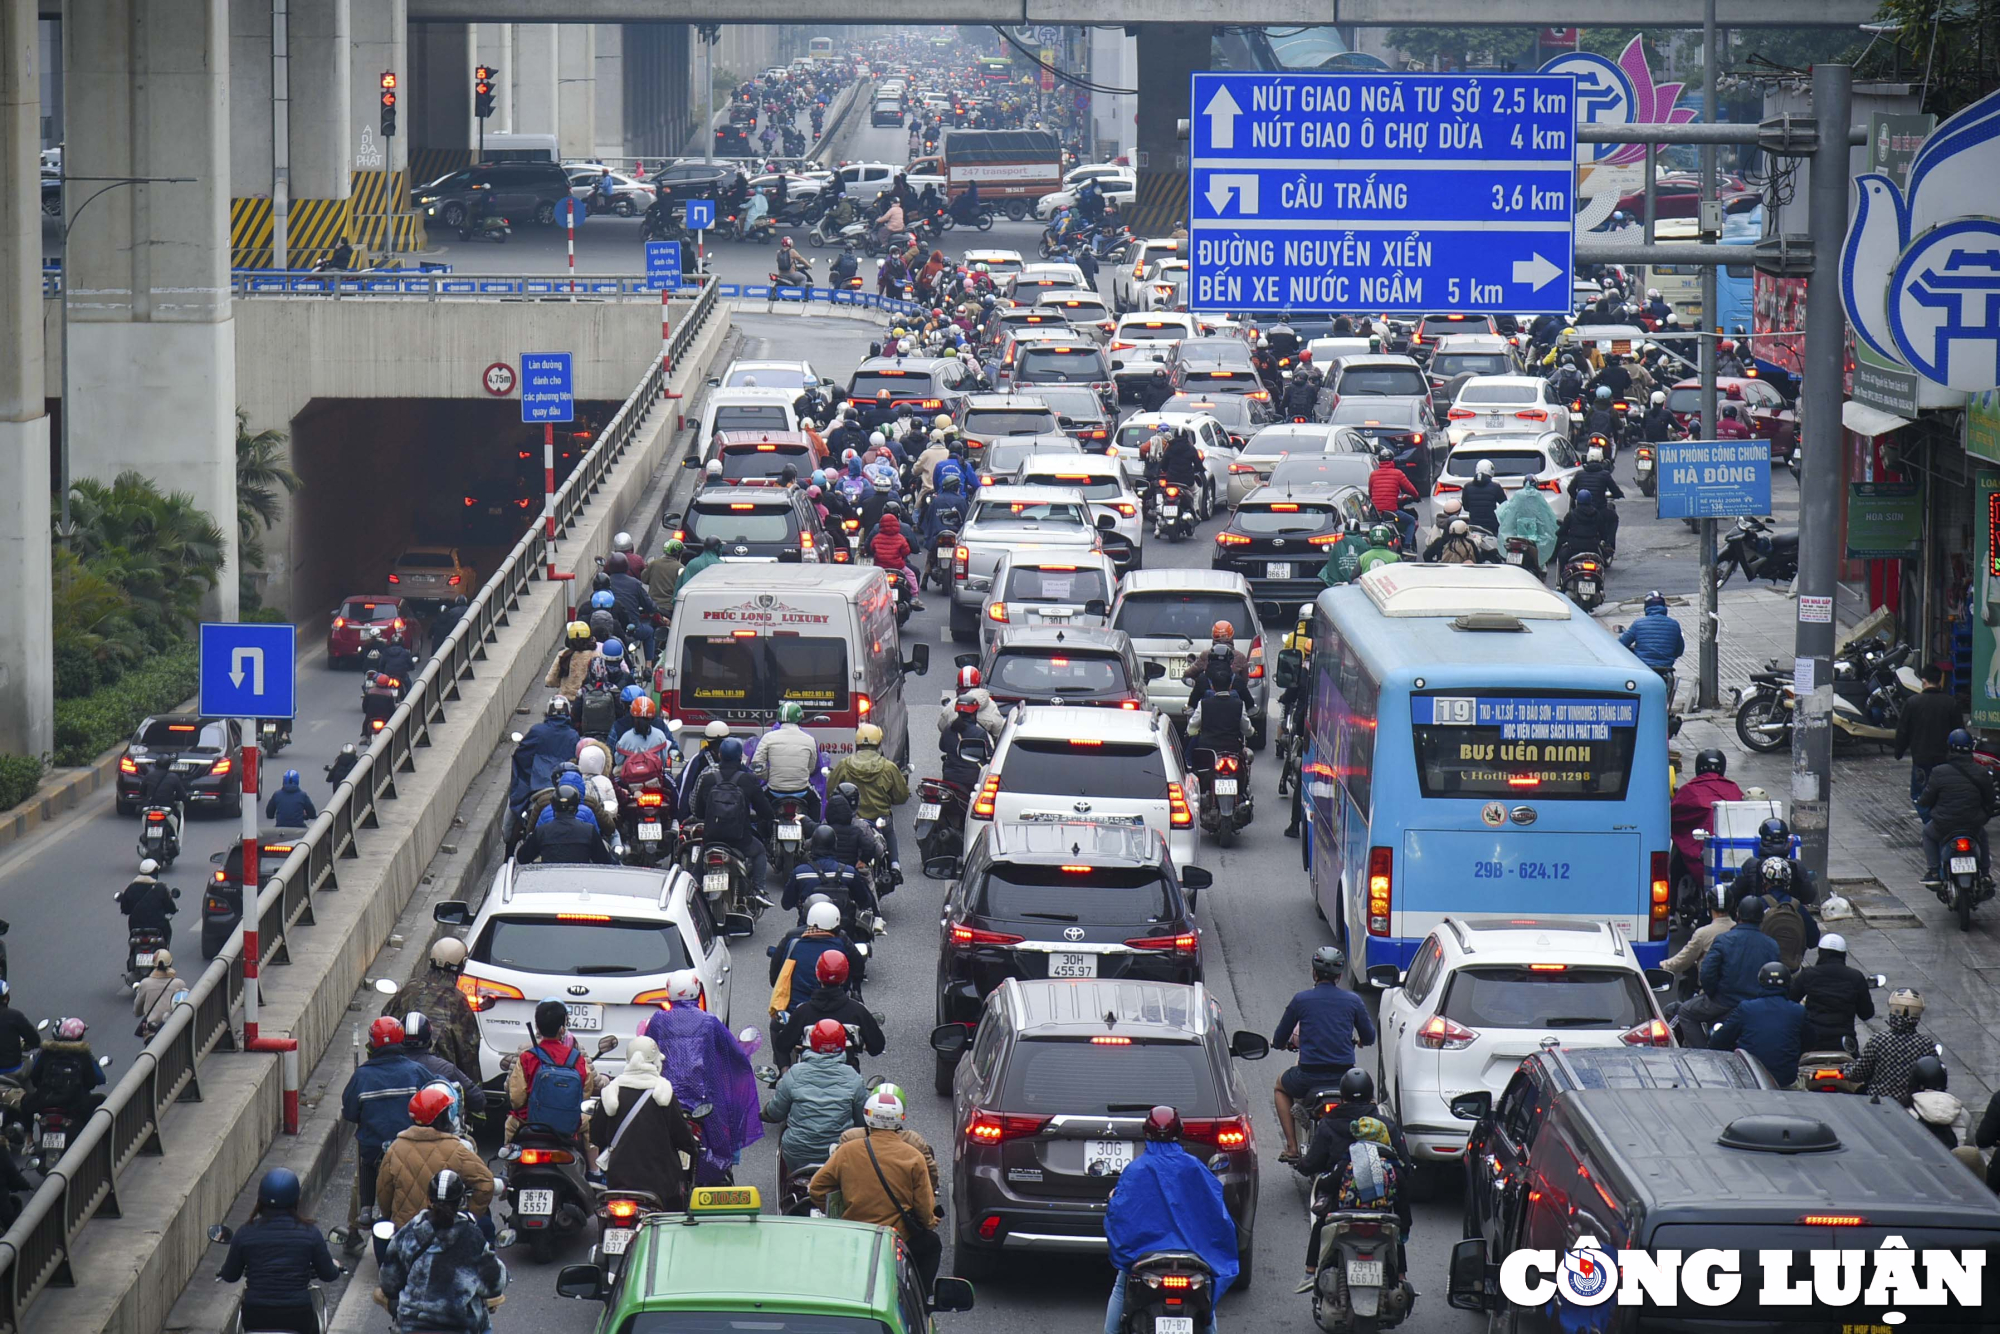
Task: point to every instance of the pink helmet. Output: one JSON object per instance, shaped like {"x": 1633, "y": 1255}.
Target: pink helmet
{"x": 71, "y": 1030}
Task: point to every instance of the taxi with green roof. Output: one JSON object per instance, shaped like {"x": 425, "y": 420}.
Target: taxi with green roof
{"x": 725, "y": 1259}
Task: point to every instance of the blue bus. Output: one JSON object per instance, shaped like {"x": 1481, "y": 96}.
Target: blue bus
{"x": 1477, "y": 744}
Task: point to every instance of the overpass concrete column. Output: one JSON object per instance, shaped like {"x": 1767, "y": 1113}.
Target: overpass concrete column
{"x": 249, "y": 98}
{"x": 608, "y": 69}
{"x": 322, "y": 98}
{"x": 1168, "y": 54}
{"x": 494, "y": 45}
{"x": 380, "y": 41}
{"x": 534, "y": 78}
{"x": 152, "y": 386}
{"x": 440, "y": 100}
{"x": 27, "y": 698}
{"x": 576, "y": 89}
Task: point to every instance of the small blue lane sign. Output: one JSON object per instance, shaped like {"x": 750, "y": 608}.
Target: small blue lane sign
{"x": 571, "y": 212}
{"x": 249, "y": 671}
{"x": 700, "y": 214}
{"x": 1714, "y": 479}
{"x": 663, "y": 263}
{"x": 1396, "y": 193}
{"x": 547, "y": 392}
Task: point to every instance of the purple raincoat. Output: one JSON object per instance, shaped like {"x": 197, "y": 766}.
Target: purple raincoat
{"x": 705, "y": 1063}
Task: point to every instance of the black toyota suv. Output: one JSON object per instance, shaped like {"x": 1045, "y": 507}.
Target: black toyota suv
{"x": 222, "y": 901}
{"x": 1057, "y": 665}
{"x": 202, "y": 750}
{"x": 755, "y": 523}
{"x": 1279, "y": 537}
{"x": 1670, "y": 1149}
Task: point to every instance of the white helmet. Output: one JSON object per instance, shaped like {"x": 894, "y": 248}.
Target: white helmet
{"x": 148, "y": 867}
{"x": 903, "y": 346}
{"x": 942, "y": 420}
{"x": 713, "y": 468}
{"x": 717, "y": 729}
{"x": 876, "y": 439}
{"x": 684, "y": 987}
{"x": 883, "y": 1111}
{"x": 937, "y": 435}
{"x": 1659, "y": 397}
{"x": 1652, "y": 294}
{"x": 823, "y": 917}
{"x": 1449, "y": 503}
{"x": 621, "y": 542}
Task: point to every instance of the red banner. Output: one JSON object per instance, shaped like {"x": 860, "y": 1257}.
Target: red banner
{"x": 1560, "y": 37}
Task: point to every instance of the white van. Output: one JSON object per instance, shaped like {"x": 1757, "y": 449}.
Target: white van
{"x": 745, "y": 409}
{"x": 519, "y": 148}
{"x": 748, "y": 638}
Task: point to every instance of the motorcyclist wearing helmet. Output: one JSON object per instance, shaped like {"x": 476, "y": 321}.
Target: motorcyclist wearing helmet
{"x": 1343, "y": 558}
{"x": 1657, "y": 426}
{"x": 1769, "y": 1025}
{"x": 1370, "y": 1173}
{"x": 572, "y": 664}
{"x": 1694, "y": 808}
{"x": 1322, "y": 1024}
{"x": 1835, "y": 994}
{"x": 802, "y": 946}
{"x": 830, "y": 998}
{"x": 398, "y": 661}
{"x": 712, "y": 735}
{"x": 1655, "y": 638}
{"x": 857, "y": 842}
{"x": 1167, "y": 1200}
{"x": 707, "y": 1063}
{"x": 821, "y": 873}
{"x": 289, "y": 806}
{"x": 419, "y": 1042}
{"x": 711, "y": 554}
{"x": 18, "y": 1034}
{"x": 429, "y": 1145}
{"x": 1960, "y": 797}
{"x": 644, "y": 1114}
{"x": 1774, "y": 839}
{"x": 148, "y": 904}
{"x": 447, "y": 619}
{"x": 882, "y": 1177}
{"x": 1589, "y": 526}
{"x": 879, "y": 787}
{"x": 1180, "y": 462}
{"x": 1785, "y": 918}
{"x": 276, "y": 1255}
{"x": 1381, "y": 548}
{"x": 964, "y": 748}
{"x": 634, "y": 606}
{"x": 746, "y": 836}
{"x": 818, "y": 1098}
{"x": 1613, "y": 377}
{"x": 553, "y": 1045}
{"x": 1729, "y": 969}
{"x": 643, "y": 734}
{"x": 1483, "y": 496}
{"x": 377, "y": 1100}
{"x": 1301, "y": 395}
{"x": 968, "y": 684}
{"x": 440, "y": 1274}
{"x": 454, "y": 1027}
{"x": 562, "y": 836}
{"x": 1656, "y": 307}
{"x": 1595, "y": 476}
{"x": 1455, "y": 545}
{"x": 941, "y": 511}
{"x": 1221, "y": 708}
{"x": 1389, "y": 487}
{"x": 790, "y": 270}
{"x": 1334, "y": 1130}
{"x": 663, "y": 575}
{"x": 904, "y": 1132}
{"x": 1886, "y": 1061}
{"x": 787, "y": 758}
{"x": 1924, "y": 728}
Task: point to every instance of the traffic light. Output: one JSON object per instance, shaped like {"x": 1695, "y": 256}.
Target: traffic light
{"x": 388, "y": 104}
{"x": 482, "y": 91}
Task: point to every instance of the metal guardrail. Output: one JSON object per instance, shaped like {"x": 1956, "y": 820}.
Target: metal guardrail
{"x": 246, "y": 283}
{"x": 836, "y": 296}
{"x": 35, "y": 1252}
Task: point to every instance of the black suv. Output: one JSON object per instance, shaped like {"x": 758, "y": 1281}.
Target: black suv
{"x": 755, "y": 523}
{"x": 1057, "y": 665}
{"x": 1278, "y": 538}
{"x": 202, "y": 750}
{"x": 518, "y": 191}
{"x": 222, "y": 902}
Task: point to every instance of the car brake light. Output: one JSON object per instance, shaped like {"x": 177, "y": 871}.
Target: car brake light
{"x": 1550, "y": 484}
{"x": 1183, "y": 818}
{"x": 545, "y": 1157}
{"x": 1185, "y": 943}
{"x": 395, "y": 578}
{"x": 481, "y": 994}
{"x": 127, "y": 765}
{"x": 1446, "y": 489}
{"x": 1832, "y": 1220}
{"x": 960, "y": 560}
{"x": 1656, "y": 918}
{"x": 455, "y": 580}
{"x": 1257, "y": 658}
{"x": 1231, "y": 540}
{"x": 583, "y": 917}
{"x": 1126, "y": 508}
{"x": 997, "y": 612}
{"x": 1381, "y": 885}
{"x": 1461, "y": 414}
{"x": 1122, "y": 347}
{"x": 221, "y": 768}
{"x": 661, "y": 997}
{"x": 1532, "y": 415}
{"x": 989, "y": 792}
{"x": 1231, "y": 1132}
{"x": 1442, "y": 1034}
{"x": 340, "y": 622}
{"x": 1652, "y": 1033}
{"x": 984, "y": 1127}
{"x": 966, "y": 937}
{"x": 215, "y": 907}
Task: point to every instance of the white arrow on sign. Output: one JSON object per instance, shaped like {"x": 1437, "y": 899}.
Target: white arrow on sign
{"x": 1220, "y": 187}
{"x": 256, "y": 660}
{"x": 1535, "y": 271}
{"x": 1222, "y": 112}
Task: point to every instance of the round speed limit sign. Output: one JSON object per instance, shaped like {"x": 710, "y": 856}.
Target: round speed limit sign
{"x": 499, "y": 379}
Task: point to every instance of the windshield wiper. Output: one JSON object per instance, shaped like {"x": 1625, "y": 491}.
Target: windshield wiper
{"x": 595, "y": 969}
{"x": 1052, "y": 916}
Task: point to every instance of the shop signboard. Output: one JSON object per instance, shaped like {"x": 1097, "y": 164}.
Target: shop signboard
{"x": 1885, "y": 520}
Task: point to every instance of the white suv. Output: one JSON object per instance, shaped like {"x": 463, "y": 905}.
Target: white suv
{"x": 600, "y": 938}
{"x": 1104, "y": 766}
{"x": 1485, "y": 993}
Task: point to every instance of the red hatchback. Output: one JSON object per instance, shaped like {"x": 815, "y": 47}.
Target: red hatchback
{"x": 360, "y": 621}
{"x": 1757, "y": 401}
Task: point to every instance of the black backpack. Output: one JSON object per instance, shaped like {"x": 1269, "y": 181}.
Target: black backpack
{"x": 596, "y": 711}
{"x": 59, "y": 1077}
{"x": 727, "y": 817}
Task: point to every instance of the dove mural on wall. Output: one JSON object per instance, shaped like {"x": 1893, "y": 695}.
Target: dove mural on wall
{"x": 1920, "y": 268}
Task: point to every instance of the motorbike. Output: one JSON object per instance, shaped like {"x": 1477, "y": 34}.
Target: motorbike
{"x": 1526, "y": 553}
{"x": 1871, "y": 680}
{"x": 1173, "y": 514}
{"x": 1168, "y": 1291}
{"x": 980, "y": 219}
{"x": 906, "y": 592}
{"x": 54, "y": 1128}
{"x": 763, "y": 230}
{"x": 938, "y": 572}
{"x": 547, "y": 1195}
{"x": 788, "y": 832}
{"x": 142, "y": 943}
{"x": 1643, "y": 469}
{"x": 222, "y": 1235}
{"x": 725, "y": 880}
{"x": 380, "y": 694}
{"x": 802, "y": 276}
{"x": 940, "y": 827}
{"x": 642, "y": 804}
{"x": 486, "y": 228}
{"x": 826, "y": 232}
{"x": 1224, "y": 808}
{"x": 1358, "y": 1286}
{"x": 1966, "y": 882}
{"x": 273, "y": 734}
{"x": 1758, "y": 550}
{"x": 1583, "y": 579}
{"x": 160, "y": 835}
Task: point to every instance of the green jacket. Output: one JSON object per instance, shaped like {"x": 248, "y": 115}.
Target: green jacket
{"x": 1376, "y": 556}
{"x": 696, "y": 566}
{"x": 882, "y": 784}
{"x": 454, "y": 1030}
{"x": 663, "y": 580}
{"x": 1343, "y": 561}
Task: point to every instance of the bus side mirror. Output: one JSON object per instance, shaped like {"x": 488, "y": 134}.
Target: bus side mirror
{"x": 920, "y": 661}
{"x": 1466, "y": 1288}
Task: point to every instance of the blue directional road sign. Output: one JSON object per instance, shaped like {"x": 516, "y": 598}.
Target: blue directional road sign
{"x": 700, "y": 215}
{"x": 571, "y": 212}
{"x": 249, "y": 671}
{"x": 547, "y": 392}
{"x": 663, "y": 263}
{"x": 1713, "y": 479}
{"x": 1383, "y": 193}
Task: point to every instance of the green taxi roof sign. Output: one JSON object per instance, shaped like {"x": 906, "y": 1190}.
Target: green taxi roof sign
{"x": 715, "y": 1201}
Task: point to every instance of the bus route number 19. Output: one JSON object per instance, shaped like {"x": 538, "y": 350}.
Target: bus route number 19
{"x": 1453, "y": 711}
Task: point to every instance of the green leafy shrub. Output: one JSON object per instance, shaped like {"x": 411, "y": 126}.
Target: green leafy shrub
{"x": 87, "y": 727}
{"x": 18, "y": 776}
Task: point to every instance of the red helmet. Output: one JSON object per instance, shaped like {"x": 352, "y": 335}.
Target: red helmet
{"x": 828, "y": 1035}
{"x": 968, "y": 678}
{"x": 785, "y": 244}
{"x": 1163, "y": 1123}
{"x": 1223, "y": 631}
{"x": 384, "y": 1032}
{"x": 427, "y": 1104}
{"x": 831, "y": 970}
{"x": 967, "y": 705}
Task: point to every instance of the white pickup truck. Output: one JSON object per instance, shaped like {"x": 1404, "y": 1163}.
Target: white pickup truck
{"x": 1011, "y": 518}
{"x": 1142, "y": 342}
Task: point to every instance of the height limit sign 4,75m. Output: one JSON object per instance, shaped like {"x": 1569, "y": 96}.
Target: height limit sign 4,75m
{"x": 1382, "y": 193}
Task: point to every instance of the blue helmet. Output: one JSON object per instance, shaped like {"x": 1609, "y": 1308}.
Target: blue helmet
{"x": 731, "y": 750}
{"x": 612, "y": 649}
{"x": 279, "y": 1189}
{"x": 573, "y": 780}
{"x": 291, "y": 780}
{"x": 602, "y": 600}
{"x": 630, "y": 693}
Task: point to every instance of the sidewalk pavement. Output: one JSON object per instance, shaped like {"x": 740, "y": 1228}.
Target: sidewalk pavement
{"x": 1874, "y": 859}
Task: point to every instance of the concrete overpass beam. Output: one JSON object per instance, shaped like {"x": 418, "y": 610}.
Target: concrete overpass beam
{"x": 534, "y": 78}
{"x": 576, "y": 89}
{"x": 1168, "y": 54}
{"x": 27, "y": 698}
{"x": 152, "y": 386}
{"x": 440, "y": 101}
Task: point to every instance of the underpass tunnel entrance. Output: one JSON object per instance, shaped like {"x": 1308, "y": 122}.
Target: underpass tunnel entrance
{"x": 383, "y": 475}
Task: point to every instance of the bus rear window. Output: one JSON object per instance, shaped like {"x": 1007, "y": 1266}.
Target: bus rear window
{"x": 1551, "y": 747}
{"x": 756, "y": 672}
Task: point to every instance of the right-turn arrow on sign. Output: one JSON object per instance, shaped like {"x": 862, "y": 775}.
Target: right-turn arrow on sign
{"x": 1536, "y": 271}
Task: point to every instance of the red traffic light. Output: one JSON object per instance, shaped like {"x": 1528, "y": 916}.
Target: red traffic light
{"x": 388, "y": 98}
{"x": 388, "y": 79}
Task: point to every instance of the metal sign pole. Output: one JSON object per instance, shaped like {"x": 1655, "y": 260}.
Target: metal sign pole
{"x": 1708, "y": 683}
{"x": 1821, "y": 477}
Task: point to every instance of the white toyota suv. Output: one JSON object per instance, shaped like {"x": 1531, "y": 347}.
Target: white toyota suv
{"x": 602, "y": 939}
{"x": 1485, "y": 993}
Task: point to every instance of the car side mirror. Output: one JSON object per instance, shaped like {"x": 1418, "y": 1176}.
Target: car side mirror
{"x": 1385, "y": 976}
{"x": 951, "y": 1294}
{"x": 219, "y": 1234}
{"x": 1247, "y": 1046}
{"x": 964, "y": 660}
{"x": 1196, "y": 877}
{"x": 920, "y": 661}
{"x": 1660, "y": 980}
{"x": 715, "y": 382}
{"x": 385, "y": 986}
{"x": 452, "y": 912}
{"x": 1466, "y": 1288}
{"x": 1155, "y": 670}
{"x": 739, "y": 926}
{"x": 1098, "y": 606}
{"x": 1270, "y": 611}
{"x": 1106, "y": 522}
{"x": 584, "y": 1283}
{"x": 951, "y": 1040}
{"x": 607, "y": 1044}
{"x": 1476, "y": 1106}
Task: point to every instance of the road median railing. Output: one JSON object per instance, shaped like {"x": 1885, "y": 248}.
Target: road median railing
{"x": 37, "y": 1250}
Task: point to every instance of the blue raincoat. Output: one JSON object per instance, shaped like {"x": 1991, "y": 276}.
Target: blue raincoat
{"x": 1168, "y": 1201}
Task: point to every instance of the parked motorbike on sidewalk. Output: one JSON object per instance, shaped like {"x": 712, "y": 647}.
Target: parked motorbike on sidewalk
{"x": 1758, "y": 550}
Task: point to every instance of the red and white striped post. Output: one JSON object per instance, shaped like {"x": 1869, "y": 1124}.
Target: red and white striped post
{"x": 570, "y": 216}
{"x": 549, "y": 491}
{"x": 250, "y": 880}
{"x": 667, "y": 357}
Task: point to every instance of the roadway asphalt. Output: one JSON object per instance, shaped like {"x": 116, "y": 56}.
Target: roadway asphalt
{"x": 1260, "y": 930}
